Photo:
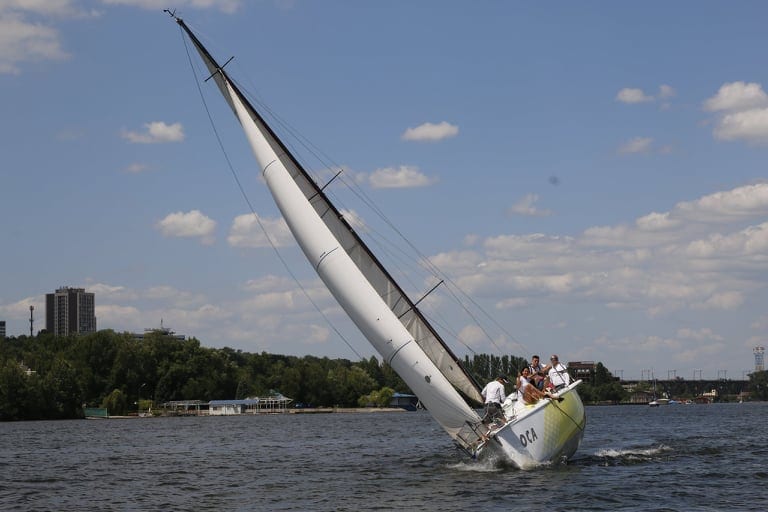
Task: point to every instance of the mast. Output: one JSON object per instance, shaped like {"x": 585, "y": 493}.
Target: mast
{"x": 354, "y": 276}
{"x": 391, "y": 292}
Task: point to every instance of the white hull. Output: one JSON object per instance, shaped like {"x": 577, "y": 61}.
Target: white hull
{"x": 549, "y": 431}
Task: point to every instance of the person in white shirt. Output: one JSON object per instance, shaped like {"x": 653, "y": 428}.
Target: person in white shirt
{"x": 557, "y": 373}
{"x": 494, "y": 395}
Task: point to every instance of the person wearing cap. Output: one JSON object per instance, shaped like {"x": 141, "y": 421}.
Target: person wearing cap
{"x": 494, "y": 395}
{"x": 557, "y": 373}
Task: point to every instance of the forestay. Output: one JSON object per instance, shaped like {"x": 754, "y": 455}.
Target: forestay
{"x": 354, "y": 276}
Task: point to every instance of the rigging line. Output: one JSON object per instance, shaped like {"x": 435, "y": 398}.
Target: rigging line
{"x": 330, "y": 164}
{"x": 321, "y": 157}
{"x": 434, "y": 317}
{"x": 294, "y": 134}
{"x": 355, "y": 188}
{"x": 325, "y": 160}
{"x": 557, "y": 406}
{"x": 416, "y": 303}
{"x": 250, "y": 205}
{"x": 427, "y": 264}
{"x": 423, "y": 260}
{"x": 483, "y": 311}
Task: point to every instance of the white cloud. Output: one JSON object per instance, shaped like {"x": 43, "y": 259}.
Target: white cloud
{"x": 253, "y": 231}
{"x": 697, "y": 256}
{"x": 723, "y": 301}
{"x": 636, "y": 145}
{"x": 269, "y": 282}
{"x": 698, "y": 335}
{"x": 666, "y": 91}
{"x": 760, "y": 323}
{"x": 399, "y": 177}
{"x": 656, "y": 222}
{"x": 431, "y": 132}
{"x": 28, "y": 32}
{"x": 749, "y": 125}
{"x": 136, "y": 168}
{"x": 737, "y": 96}
{"x": 724, "y": 206}
{"x": 23, "y": 41}
{"x": 156, "y": 132}
{"x": 111, "y": 292}
{"x": 748, "y": 244}
{"x": 227, "y": 6}
{"x": 742, "y": 112}
{"x": 512, "y": 303}
{"x": 527, "y": 207}
{"x": 472, "y": 335}
{"x": 354, "y": 220}
{"x": 118, "y": 317}
{"x": 192, "y": 224}
{"x": 20, "y": 309}
{"x": 632, "y": 95}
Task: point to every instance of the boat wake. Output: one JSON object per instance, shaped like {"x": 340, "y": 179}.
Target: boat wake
{"x": 485, "y": 466}
{"x": 625, "y": 456}
{"x": 500, "y": 464}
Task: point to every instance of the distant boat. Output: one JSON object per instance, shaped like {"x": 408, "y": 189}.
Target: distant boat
{"x": 548, "y": 431}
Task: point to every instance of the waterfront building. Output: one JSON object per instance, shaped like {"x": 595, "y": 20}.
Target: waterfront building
{"x": 583, "y": 370}
{"x": 161, "y": 331}
{"x": 70, "y": 311}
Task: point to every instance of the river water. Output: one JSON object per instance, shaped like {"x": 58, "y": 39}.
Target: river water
{"x": 670, "y": 458}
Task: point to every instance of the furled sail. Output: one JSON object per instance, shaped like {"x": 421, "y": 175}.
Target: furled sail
{"x": 366, "y": 291}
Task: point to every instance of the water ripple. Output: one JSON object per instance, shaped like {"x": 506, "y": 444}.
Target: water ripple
{"x": 677, "y": 458}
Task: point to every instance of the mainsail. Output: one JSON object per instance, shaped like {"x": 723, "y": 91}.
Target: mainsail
{"x": 365, "y": 290}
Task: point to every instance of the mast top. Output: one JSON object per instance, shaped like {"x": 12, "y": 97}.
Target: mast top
{"x": 172, "y": 14}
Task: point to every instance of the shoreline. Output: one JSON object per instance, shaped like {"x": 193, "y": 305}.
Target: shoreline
{"x": 308, "y": 410}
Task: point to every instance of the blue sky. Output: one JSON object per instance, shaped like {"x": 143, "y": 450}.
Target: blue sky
{"x": 591, "y": 173}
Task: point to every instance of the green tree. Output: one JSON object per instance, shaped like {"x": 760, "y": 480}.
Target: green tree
{"x": 377, "y": 398}
{"x": 14, "y": 391}
{"x": 758, "y": 385}
{"x": 63, "y": 391}
{"x": 116, "y": 403}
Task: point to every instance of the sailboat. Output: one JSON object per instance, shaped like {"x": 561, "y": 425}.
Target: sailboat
{"x": 547, "y": 431}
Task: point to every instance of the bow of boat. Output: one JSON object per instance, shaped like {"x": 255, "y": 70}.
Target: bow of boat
{"x": 544, "y": 433}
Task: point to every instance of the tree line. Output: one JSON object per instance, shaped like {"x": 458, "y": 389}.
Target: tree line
{"x": 50, "y": 377}
{"x": 56, "y": 377}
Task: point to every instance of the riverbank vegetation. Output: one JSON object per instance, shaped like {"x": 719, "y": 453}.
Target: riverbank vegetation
{"x": 49, "y": 377}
